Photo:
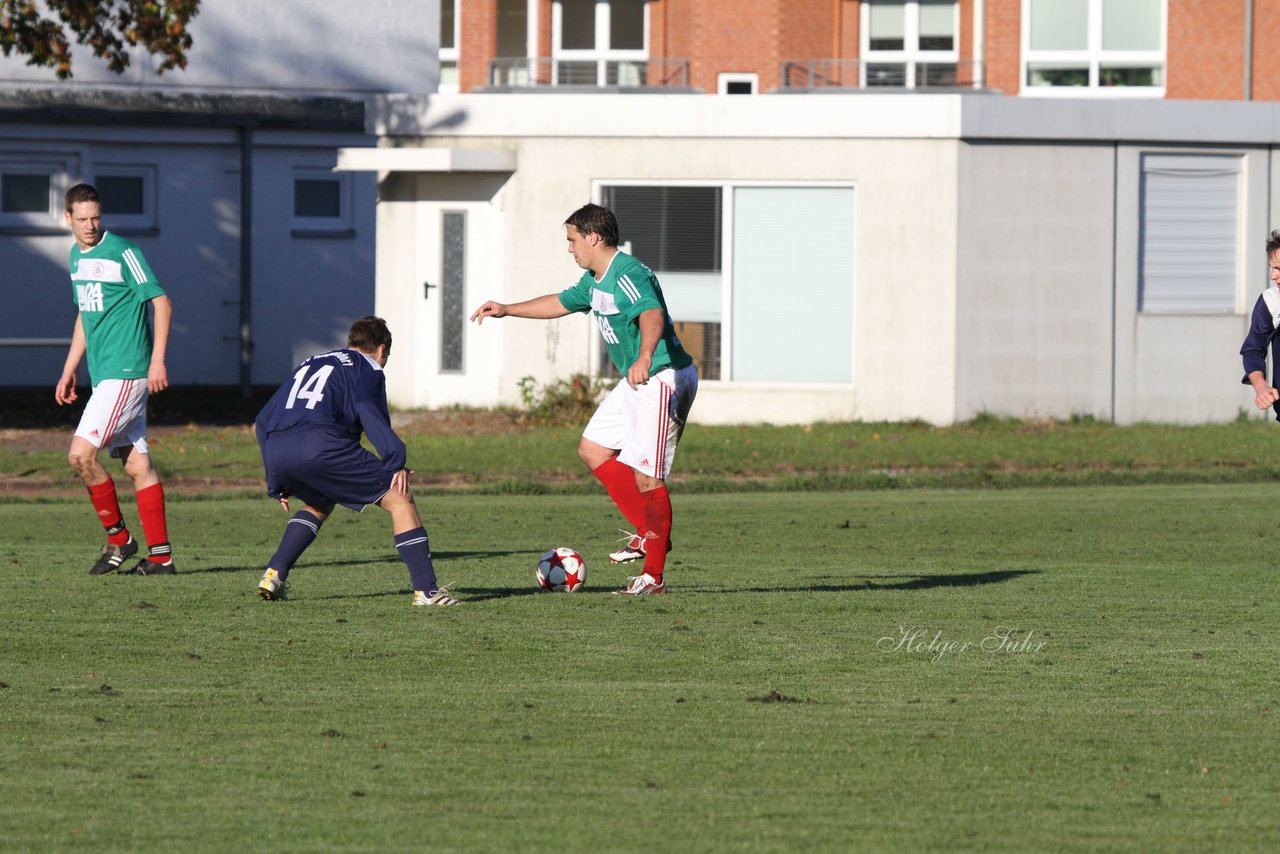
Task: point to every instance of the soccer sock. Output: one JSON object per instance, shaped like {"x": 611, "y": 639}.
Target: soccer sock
{"x": 620, "y": 482}
{"x": 298, "y": 534}
{"x": 657, "y": 521}
{"x": 151, "y": 514}
{"x": 107, "y": 506}
{"x": 415, "y": 550}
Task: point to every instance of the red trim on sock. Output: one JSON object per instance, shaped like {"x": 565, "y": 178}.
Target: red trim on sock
{"x": 107, "y": 505}
{"x": 657, "y": 521}
{"x": 620, "y": 482}
{"x": 151, "y": 513}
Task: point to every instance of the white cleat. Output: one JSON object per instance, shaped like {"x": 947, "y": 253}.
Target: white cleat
{"x": 439, "y": 596}
{"x": 272, "y": 587}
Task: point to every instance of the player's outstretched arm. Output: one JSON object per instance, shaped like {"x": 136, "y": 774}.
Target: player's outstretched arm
{"x": 545, "y": 307}
{"x": 1264, "y": 395}
{"x": 65, "y": 391}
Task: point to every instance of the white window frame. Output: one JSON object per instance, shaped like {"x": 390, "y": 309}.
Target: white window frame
{"x": 726, "y": 270}
{"x": 724, "y": 78}
{"x": 911, "y": 54}
{"x": 322, "y": 226}
{"x": 59, "y": 170}
{"x": 602, "y": 54}
{"x": 149, "y": 219}
{"x": 450, "y": 54}
{"x": 1093, "y": 57}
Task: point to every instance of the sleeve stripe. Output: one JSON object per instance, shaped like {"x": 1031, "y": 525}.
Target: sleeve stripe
{"x": 629, "y": 288}
{"x": 134, "y": 267}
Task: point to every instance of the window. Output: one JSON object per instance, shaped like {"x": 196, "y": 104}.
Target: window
{"x": 1111, "y": 47}
{"x": 449, "y": 37}
{"x": 128, "y": 196}
{"x": 453, "y": 318}
{"x": 1189, "y": 234}
{"x": 743, "y": 326}
{"x": 599, "y": 42}
{"x": 909, "y": 43}
{"x": 321, "y": 203}
{"x": 30, "y": 194}
{"x": 730, "y": 83}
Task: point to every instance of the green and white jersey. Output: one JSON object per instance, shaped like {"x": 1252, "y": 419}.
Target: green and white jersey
{"x": 626, "y": 290}
{"x": 112, "y": 284}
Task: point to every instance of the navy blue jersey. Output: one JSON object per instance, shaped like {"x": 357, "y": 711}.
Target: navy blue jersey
{"x": 341, "y": 394}
{"x": 1263, "y": 337}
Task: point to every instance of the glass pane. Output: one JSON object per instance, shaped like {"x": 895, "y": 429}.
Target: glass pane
{"x": 1064, "y": 74}
{"x": 886, "y": 27}
{"x": 937, "y": 25}
{"x": 793, "y": 284}
{"x": 122, "y": 194}
{"x": 1059, "y": 24}
{"x": 702, "y": 342}
{"x": 452, "y": 290}
{"x": 886, "y": 74}
{"x": 316, "y": 197}
{"x": 1129, "y": 75}
{"x": 578, "y": 24}
{"x": 626, "y": 24}
{"x": 672, "y": 229}
{"x": 1131, "y": 24}
{"x": 24, "y": 193}
{"x": 513, "y": 27}
{"x": 446, "y": 23}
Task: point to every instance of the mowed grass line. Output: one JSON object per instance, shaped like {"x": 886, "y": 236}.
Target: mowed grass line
{"x": 767, "y": 704}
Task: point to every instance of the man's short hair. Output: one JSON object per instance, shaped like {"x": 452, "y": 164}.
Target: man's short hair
{"x": 595, "y": 219}
{"x": 1273, "y": 242}
{"x": 368, "y": 334}
{"x": 82, "y": 193}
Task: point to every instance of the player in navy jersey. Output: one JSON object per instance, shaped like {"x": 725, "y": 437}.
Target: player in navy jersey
{"x": 631, "y": 440}
{"x": 1263, "y": 335}
{"x": 310, "y": 432}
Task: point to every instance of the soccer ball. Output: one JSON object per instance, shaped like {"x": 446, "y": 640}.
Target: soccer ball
{"x": 561, "y": 570}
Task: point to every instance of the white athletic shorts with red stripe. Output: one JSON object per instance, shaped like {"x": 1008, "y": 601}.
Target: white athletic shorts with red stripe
{"x": 644, "y": 424}
{"x": 116, "y": 416}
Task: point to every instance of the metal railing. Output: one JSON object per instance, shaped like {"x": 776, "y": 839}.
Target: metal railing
{"x": 806, "y": 74}
{"x": 544, "y": 72}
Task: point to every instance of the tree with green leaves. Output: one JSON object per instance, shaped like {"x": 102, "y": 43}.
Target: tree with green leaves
{"x": 44, "y": 31}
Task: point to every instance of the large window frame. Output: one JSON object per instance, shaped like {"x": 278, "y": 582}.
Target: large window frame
{"x": 629, "y": 64}
{"x": 1103, "y": 69}
{"x": 57, "y": 170}
{"x": 338, "y": 225}
{"x": 146, "y": 220}
{"x": 911, "y": 65}
{"x": 449, "y": 70}
{"x": 726, "y": 307}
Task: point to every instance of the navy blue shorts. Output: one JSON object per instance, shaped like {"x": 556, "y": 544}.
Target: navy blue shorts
{"x": 322, "y": 470}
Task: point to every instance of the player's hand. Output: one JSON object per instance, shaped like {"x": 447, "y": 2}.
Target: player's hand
{"x": 157, "y": 379}
{"x": 1266, "y": 397}
{"x": 489, "y": 309}
{"x": 400, "y": 481}
{"x": 284, "y": 500}
{"x": 65, "y": 391}
{"x": 638, "y": 373}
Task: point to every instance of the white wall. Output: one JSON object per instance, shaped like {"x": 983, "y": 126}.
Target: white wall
{"x": 281, "y": 45}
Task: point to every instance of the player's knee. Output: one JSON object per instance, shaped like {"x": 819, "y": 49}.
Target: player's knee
{"x": 80, "y": 461}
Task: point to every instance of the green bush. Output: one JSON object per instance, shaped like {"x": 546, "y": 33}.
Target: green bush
{"x": 560, "y": 403}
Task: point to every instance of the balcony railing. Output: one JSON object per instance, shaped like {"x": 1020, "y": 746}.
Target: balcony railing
{"x": 543, "y": 72}
{"x": 806, "y": 74}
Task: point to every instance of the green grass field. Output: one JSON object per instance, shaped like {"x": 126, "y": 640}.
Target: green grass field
{"x": 1019, "y": 669}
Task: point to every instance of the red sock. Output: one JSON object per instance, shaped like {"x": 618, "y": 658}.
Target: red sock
{"x": 657, "y": 522}
{"x": 103, "y": 496}
{"x": 151, "y": 512}
{"x": 620, "y": 482}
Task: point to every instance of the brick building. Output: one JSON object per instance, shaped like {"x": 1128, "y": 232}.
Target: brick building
{"x": 1198, "y": 49}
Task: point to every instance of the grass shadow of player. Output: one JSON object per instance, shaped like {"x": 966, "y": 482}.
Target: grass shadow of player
{"x": 886, "y": 582}
{"x": 391, "y": 558}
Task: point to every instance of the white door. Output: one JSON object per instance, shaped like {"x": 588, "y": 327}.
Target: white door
{"x": 459, "y": 251}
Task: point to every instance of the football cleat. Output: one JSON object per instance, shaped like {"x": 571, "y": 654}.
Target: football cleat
{"x": 113, "y": 556}
{"x": 633, "y": 550}
{"x": 146, "y": 566}
{"x": 439, "y": 596}
{"x": 643, "y": 585}
{"x": 272, "y": 587}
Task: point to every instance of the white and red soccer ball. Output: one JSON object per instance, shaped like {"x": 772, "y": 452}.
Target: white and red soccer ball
{"x": 561, "y": 570}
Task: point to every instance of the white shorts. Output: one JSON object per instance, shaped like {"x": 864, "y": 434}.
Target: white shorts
{"x": 116, "y": 416}
{"x": 645, "y": 424}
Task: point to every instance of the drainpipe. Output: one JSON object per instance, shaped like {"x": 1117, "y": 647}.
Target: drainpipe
{"x": 246, "y": 259}
{"x": 979, "y": 45}
{"x": 1248, "y": 50}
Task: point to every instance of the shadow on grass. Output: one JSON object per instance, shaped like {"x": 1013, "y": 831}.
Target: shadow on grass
{"x": 388, "y": 557}
{"x": 884, "y": 582}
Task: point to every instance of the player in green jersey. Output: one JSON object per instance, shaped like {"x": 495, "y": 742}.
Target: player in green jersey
{"x": 113, "y": 285}
{"x": 631, "y": 440}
